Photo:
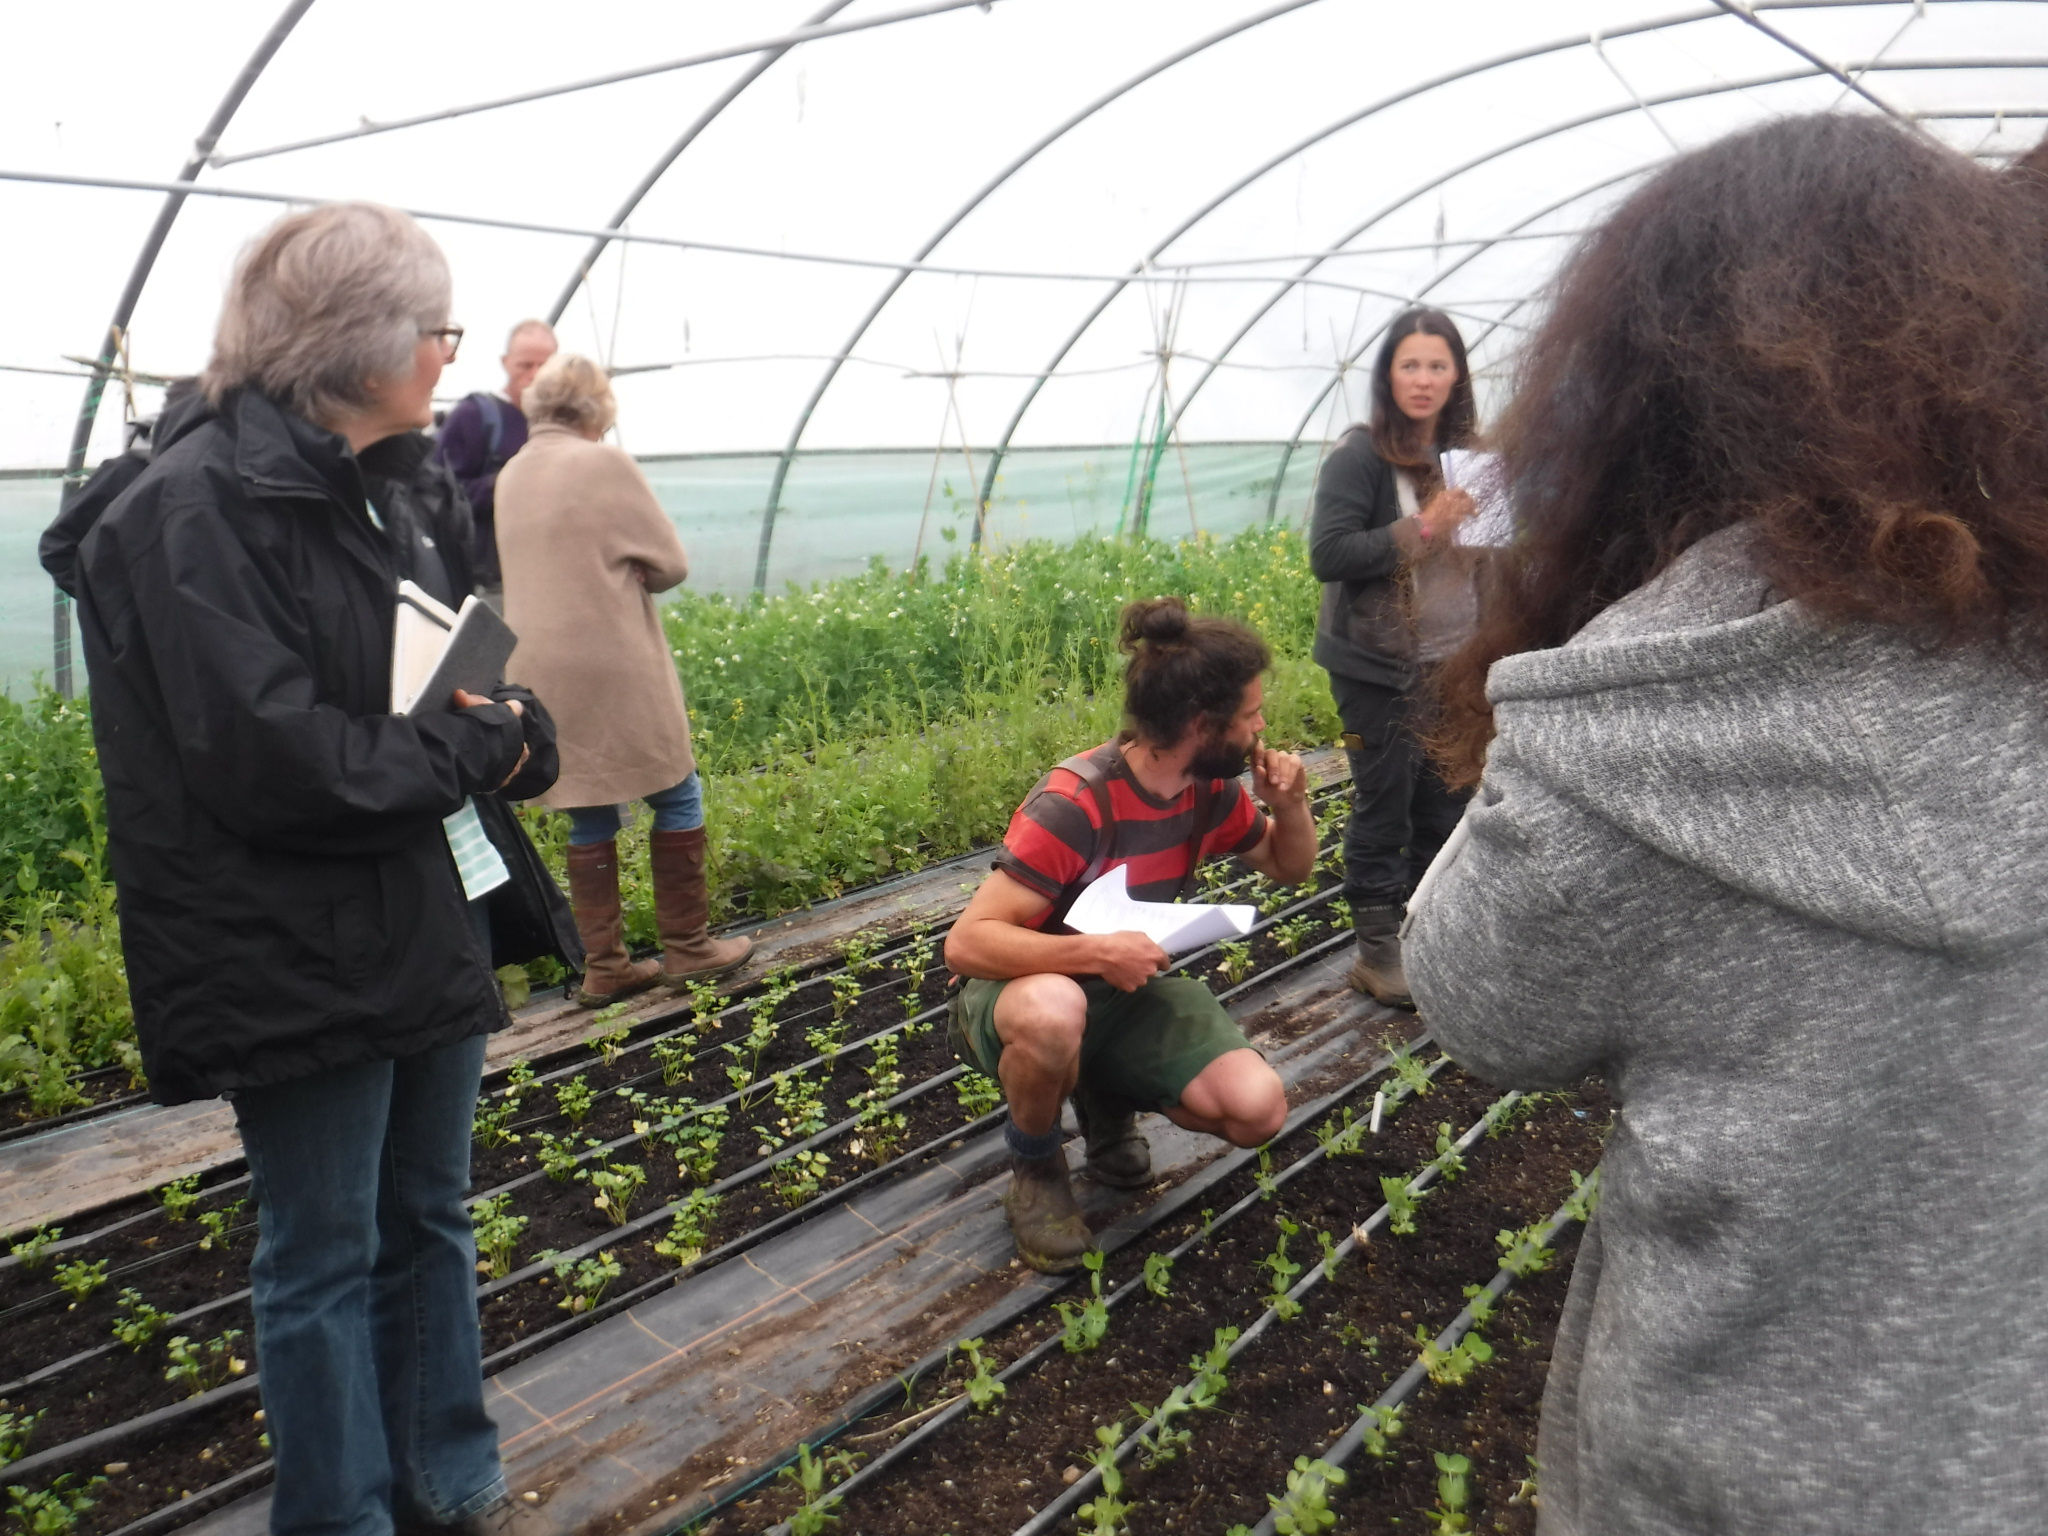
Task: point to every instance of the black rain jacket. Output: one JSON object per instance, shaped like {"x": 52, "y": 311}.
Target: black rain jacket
{"x": 288, "y": 900}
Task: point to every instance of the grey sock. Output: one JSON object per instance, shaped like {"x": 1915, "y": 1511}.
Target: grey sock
{"x": 1031, "y": 1148}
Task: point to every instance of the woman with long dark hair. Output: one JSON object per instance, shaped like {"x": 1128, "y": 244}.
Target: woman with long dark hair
{"x": 1762, "y": 833}
{"x": 1382, "y": 514}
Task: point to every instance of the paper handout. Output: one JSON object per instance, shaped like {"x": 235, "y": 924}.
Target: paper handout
{"x": 436, "y": 649}
{"x": 1176, "y": 927}
{"x": 1483, "y": 477}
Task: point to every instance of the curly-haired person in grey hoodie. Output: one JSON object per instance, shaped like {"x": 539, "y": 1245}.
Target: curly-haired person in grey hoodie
{"x": 1762, "y": 839}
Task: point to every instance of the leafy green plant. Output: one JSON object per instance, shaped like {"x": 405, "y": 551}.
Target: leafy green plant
{"x": 616, "y": 1185}
{"x": 1236, "y": 960}
{"x": 498, "y": 1232}
{"x": 1342, "y": 1135}
{"x": 1161, "y": 1442}
{"x": 1212, "y": 1370}
{"x": 881, "y": 1128}
{"x": 1086, "y": 1324}
{"x": 676, "y": 1056}
{"x": 1402, "y": 1203}
{"x": 695, "y": 1142}
{"x": 79, "y": 1279}
{"x": 1453, "y": 1493}
{"x": 611, "y": 1029}
{"x": 689, "y": 1227}
{"x": 179, "y": 1197}
{"x": 16, "y": 1430}
{"x": 33, "y": 1251}
{"x": 706, "y": 1003}
{"x": 492, "y": 1126}
{"x": 811, "y": 1475}
{"x": 1412, "y": 1075}
{"x": 978, "y": 1095}
{"x": 1378, "y": 1437}
{"x": 981, "y": 1387}
{"x": 845, "y": 993}
{"x": 219, "y": 1224}
{"x": 1268, "y": 1184}
{"x": 558, "y": 1156}
{"x": 799, "y": 1176}
{"x": 801, "y": 1101}
{"x": 1281, "y": 1271}
{"x": 200, "y": 1367}
{"x": 1584, "y": 1198}
{"x": 583, "y": 1281}
{"x": 1107, "y": 1512}
{"x": 1479, "y": 1302}
{"x": 575, "y": 1098}
{"x": 51, "y": 1511}
{"x": 1158, "y": 1273}
{"x": 1452, "y": 1367}
{"x": 1524, "y": 1253}
{"x": 1292, "y": 934}
{"x": 1304, "y": 1508}
{"x": 1328, "y": 1244}
{"x": 1450, "y": 1161}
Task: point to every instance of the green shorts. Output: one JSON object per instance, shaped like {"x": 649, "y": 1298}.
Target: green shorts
{"x": 1141, "y": 1047}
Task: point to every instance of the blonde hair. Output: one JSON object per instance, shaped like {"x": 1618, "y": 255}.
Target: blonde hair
{"x": 571, "y": 391}
{"x": 325, "y": 301}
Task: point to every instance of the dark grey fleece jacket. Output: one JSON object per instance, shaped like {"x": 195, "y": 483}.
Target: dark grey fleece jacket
{"x": 1783, "y": 887}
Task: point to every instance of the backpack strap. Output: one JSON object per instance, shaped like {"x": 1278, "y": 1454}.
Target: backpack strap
{"x": 1090, "y": 773}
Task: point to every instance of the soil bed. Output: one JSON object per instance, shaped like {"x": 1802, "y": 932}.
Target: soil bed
{"x": 990, "y": 1473}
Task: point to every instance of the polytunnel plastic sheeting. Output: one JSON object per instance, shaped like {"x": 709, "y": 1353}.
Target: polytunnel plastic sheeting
{"x": 949, "y": 229}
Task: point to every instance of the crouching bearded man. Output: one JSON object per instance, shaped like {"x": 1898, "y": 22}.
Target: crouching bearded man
{"x": 1049, "y": 1012}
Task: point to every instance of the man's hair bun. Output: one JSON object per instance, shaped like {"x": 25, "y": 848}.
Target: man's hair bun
{"x": 1155, "y": 621}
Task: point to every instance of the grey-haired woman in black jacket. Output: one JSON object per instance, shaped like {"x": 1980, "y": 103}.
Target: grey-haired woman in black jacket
{"x": 298, "y": 931}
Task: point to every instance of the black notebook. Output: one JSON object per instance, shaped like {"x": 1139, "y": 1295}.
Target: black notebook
{"x": 436, "y": 650}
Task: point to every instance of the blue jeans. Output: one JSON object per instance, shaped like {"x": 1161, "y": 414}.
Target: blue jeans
{"x": 675, "y": 810}
{"x": 365, "y": 1294}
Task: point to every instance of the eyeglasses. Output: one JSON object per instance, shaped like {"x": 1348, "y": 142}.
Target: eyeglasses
{"x": 450, "y": 338}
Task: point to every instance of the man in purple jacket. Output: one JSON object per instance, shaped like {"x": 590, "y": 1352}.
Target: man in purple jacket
{"x": 484, "y": 431}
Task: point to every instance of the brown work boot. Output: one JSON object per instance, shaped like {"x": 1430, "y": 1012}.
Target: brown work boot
{"x": 608, "y": 972}
{"x": 1377, "y": 971}
{"x": 1044, "y": 1218}
{"x": 682, "y": 912}
{"x": 1118, "y": 1154}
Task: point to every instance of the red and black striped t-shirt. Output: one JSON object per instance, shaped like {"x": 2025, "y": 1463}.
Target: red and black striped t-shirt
{"x": 1056, "y": 832}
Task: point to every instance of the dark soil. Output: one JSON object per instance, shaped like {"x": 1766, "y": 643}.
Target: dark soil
{"x": 1294, "y": 1390}
{"x": 143, "y": 1248}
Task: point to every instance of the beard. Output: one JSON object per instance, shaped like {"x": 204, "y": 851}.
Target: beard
{"x": 1218, "y": 759}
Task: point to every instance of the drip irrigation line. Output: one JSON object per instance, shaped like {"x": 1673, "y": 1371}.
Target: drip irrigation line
{"x": 157, "y": 1418}
{"x": 29, "y": 1129}
{"x": 48, "y": 1298}
{"x": 57, "y": 1368}
{"x": 206, "y": 1500}
{"x": 779, "y": 43}
{"x": 1168, "y": 1207}
{"x": 1086, "y": 1484}
{"x": 1346, "y": 1445}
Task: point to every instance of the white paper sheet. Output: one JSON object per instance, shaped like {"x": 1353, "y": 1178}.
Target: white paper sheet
{"x": 1176, "y": 927}
{"x": 1484, "y": 478}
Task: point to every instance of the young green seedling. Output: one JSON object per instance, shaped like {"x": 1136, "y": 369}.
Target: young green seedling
{"x": 696, "y": 1141}
{"x": 1523, "y": 1253}
{"x": 32, "y": 1252}
{"x": 610, "y": 1030}
{"x": 492, "y": 1126}
{"x": 1453, "y": 1493}
{"x": 585, "y": 1281}
{"x": 982, "y": 1388}
{"x": 1412, "y": 1074}
{"x": 1212, "y": 1370}
{"x": 202, "y": 1367}
{"x": 1479, "y": 1302}
{"x": 1087, "y": 1323}
{"x": 676, "y": 1056}
{"x": 811, "y": 1476}
{"x": 179, "y": 1197}
{"x": 557, "y": 1156}
{"x": 220, "y": 1224}
{"x": 1158, "y": 1273}
{"x": 136, "y": 1323}
{"x": 1329, "y": 1246}
{"x": 1585, "y": 1196}
{"x": 1401, "y": 1203}
{"x": 497, "y": 1233}
{"x": 1452, "y": 1367}
{"x": 80, "y": 1279}
{"x": 1236, "y": 961}
{"x": 1340, "y": 1137}
{"x": 616, "y": 1185}
{"x": 1282, "y": 1270}
{"x": 16, "y": 1430}
{"x": 50, "y": 1511}
{"x": 1304, "y": 1508}
{"x": 799, "y": 1176}
{"x": 1107, "y": 1511}
{"x": 689, "y": 1228}
{"x": 1292, "y": 934}
{"x": 1268, "y": 1184}
{"x": 1450, "y": 1161}
{"x": 1162, "y": 1442}
{"x": 1378, "y": 1436}
{"x": 978, "y": 1095}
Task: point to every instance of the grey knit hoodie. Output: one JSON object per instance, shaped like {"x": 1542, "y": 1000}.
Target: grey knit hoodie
{"x": 1783, "y": 888}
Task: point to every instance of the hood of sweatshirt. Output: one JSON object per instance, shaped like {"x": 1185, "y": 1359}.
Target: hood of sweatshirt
{"x": 1844, "y": 774}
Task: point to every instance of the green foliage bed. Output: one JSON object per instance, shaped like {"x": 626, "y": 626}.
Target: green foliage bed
{"x": 859, "y": 729}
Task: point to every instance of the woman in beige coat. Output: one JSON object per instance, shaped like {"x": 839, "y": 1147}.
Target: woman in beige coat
{"x": 584, "y": 546}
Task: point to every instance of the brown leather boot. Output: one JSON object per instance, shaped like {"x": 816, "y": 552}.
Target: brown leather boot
{"x": 608, "y": 972}
{"x": 682, "y": 912}
{"x": 1044, "y": 1217}
{"x": 1378, "y": 971}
